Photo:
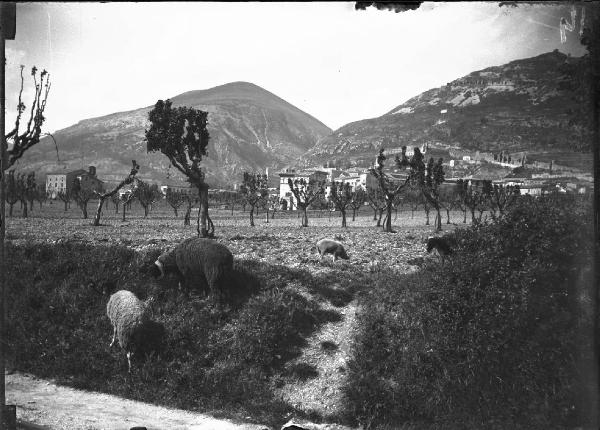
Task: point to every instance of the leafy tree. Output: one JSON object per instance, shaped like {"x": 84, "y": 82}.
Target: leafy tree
{"x": 305, "y": 192}
{"x": 114, "y": 193}
{"x": 175, "y": 199}
{"x": 358, "y": 200}
{"x": 180, "y": 134}
{"x": 341, "y": 196}
{"x": 254, "y": 190}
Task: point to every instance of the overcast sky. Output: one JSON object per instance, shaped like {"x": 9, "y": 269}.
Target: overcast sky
{"x": 337, "y": 64}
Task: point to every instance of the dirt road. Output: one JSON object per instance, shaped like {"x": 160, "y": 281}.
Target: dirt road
{"x": 45, "y": 403}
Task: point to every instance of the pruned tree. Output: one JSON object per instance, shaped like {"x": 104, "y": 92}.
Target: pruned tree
{"x": 126, "y": 199}
{"x": 41, "y": 196}
{"x": 30, "y": 192}
{"x": 180, "y": 134}
{"x": 255, "y": 191}
{"x": 358, "y": 200}
{"x": 82, "y": 196}
{"x": 502, "y": 197}
{"x": 341, "y": 197}
{"x": 65, "y": 197}
{"x": 389, "y": 187}
{"x": 146, "y": 194}
{"x": 175, "y": 199}
{"x": 305, "y": 192}
{"x": 129, "y": 179}
{"x": 428, "y": 178}
{"x": 13, "y": 190}
{"x": 271, "y": 203}
{"x": 116, "y": 201}
{"x": 376, "y": 199}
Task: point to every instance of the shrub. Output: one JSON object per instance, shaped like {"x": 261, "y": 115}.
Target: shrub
{"x": 487, "y": 338}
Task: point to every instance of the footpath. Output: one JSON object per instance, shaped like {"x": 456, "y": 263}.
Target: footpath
{"x": 42, "y": 404}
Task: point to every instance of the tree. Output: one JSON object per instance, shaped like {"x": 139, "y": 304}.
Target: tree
{"x": 305, "y": 192}
{"x": 180, "y": 134}
{"x": 255, "y": 191}
{"x": 190, "y": 200}
{"x": 65, "y": 197}
{"x": 14, "y": 186}
{"x": 146, "y": 195}
{"x": 30, "y": 191}
{"x": 82, "y": 195}
{"x": 428, "y": 178}
{"x": 175, "y": 199}
{"x": 125, "y": 198}
{"x": 116, "y": 200}
{"x": 390, "y": 188}
{"x": 376, "y": 199}
{"x": 41, "y": 196}
{"x": 341, "y": 196}
{"x": 271, "y": 203}
{"x": 358, "y": 200}
{"x": 502, "y": 197}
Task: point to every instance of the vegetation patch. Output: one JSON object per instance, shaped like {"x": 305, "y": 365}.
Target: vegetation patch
{"x": 488, "y": 339}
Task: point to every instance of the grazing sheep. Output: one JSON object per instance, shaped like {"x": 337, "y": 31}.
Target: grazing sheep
{"x": 132, "y": 325}
{"x": 440, "y": 245}
{"x": 200, "y": 263}
{"x": 330, "y": 246}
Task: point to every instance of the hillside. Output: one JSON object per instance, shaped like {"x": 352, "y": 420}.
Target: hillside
{"x": 525, "y": 105}
{"x": 250, "y": 129}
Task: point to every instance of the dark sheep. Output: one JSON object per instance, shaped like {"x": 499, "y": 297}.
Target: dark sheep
{"x": 440, "y": 245}
{"x": 330, "y": 246}
{"x": 198, "y": 263}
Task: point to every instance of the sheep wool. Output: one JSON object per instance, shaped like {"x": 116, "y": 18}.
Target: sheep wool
{"x": 129, "y": 317}
{"x": 200, "y": 263}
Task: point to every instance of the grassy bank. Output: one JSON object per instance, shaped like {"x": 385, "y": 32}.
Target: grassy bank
{"x": 489, "y": 340}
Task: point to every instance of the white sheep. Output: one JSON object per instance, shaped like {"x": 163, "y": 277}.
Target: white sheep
{"x": 330, "y": 246}
{"x": 132, "y": 326}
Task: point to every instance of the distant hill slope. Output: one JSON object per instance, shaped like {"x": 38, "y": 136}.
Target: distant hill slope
{"x": 525, "y": 105}
{"x": 250, "y": 129}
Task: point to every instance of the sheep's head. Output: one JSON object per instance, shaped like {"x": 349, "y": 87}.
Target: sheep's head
{"x": 344, "y": 255}
{"x": 147, "y": 262}
{"x": 430, "y": 243}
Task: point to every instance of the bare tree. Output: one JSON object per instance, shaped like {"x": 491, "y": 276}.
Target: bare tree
{"x": 255, "y": 191}
{"x": 376, "y": 199}
{"x": 358, "y": 200}
{"x": 341, "y": 196}
{"x": 129, "y": 179}
{"x": 41, "y": 196}
{"x": 175, "y": 199}
{"x": 305, "y": 193}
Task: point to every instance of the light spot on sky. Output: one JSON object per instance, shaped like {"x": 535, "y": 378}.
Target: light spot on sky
{"x": 335, "y": 63}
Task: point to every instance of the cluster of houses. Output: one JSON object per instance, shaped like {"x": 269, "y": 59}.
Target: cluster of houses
{"x": 357, "y": 177}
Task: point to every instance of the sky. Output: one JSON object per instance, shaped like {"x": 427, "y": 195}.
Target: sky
{"x": 334, "y": 62}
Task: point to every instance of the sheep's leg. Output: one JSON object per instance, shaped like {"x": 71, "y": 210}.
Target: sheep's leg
{"x": 114, "y": 337}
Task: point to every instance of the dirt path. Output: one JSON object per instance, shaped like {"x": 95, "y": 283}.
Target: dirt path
{"x": 61, "y": 408}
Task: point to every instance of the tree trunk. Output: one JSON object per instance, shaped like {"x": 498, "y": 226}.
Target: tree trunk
{"x": 427, "y": 216}
{"x": 465, "y": 216}
{"x": 251, "y": 216}
{"x": 267, "y": 215}
{"x": 10, "y": 210}
{"x": 304, "y": 217}
{"x": 186, "y": 218}
{"x": 202, "y": 225}
{"x": 473, "y": 216}
{"x": 124, "y": 207}
{"x": 98, "y": 212}
{"x": 31, "y": 205}
{"x": 146, "y": 210}
{"x": 353, "y": 214}
{"x": 24, "y": 206}
{"x": 375, "y": 215}
{"x": 117, "y": 207}
{"x": 343, "y": 218}
{"x": 66, "y": 203}
{"x": 388, "y": 218}
{"x": 176, "y": 215}
{"x": 84, "y": 210}
{"x": 380, "y": 216}
{"x": 447, "y": 216}
{"x": 438, "y": 226}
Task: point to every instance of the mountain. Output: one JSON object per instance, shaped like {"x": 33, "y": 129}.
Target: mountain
{"x": 527, "y": 105}
{"x": 250, "y": 129}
